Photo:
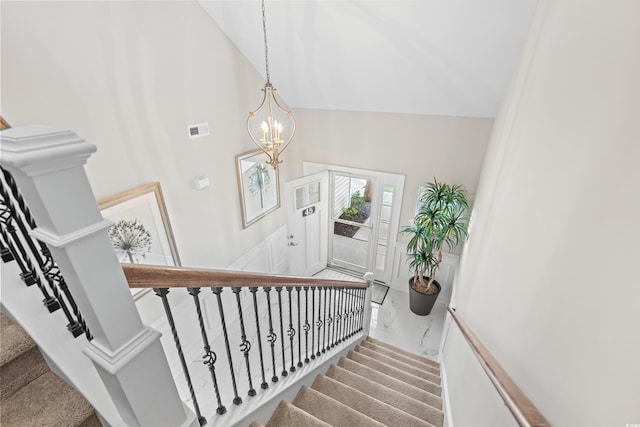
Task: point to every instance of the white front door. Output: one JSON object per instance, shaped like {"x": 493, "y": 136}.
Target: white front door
{"x": 372, "y": 247}
{"x": 306, "y": 200}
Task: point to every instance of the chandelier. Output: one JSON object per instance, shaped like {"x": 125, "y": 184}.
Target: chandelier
{"x": 271, "y": 126}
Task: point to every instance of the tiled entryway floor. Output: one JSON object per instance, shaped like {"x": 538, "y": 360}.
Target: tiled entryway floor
{"x": 394, "y": 323}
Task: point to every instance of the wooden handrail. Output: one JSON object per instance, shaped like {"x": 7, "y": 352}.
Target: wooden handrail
{"x": 524, "y": 411}
{"x": 160, "y": 276}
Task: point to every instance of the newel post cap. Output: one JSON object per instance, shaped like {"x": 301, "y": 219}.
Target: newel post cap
{"x": 36, "y": 149}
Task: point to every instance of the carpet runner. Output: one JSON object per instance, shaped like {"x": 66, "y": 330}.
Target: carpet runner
{"x": 31, "y": 394}
{"x": 376, "y": 384}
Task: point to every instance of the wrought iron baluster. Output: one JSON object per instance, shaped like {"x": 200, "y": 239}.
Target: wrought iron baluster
{"x": 298, "y": 288}
{"x": 329, "y": 318}
{"x": 342, "y": 311}
{"x": 47, "y": 264}
{"x": 217, "y": 291}
{"x": 324, "y": 317}
{"x": 306, "y": 324}
{"x": 162, "y": 293}
{"x": 245, "y": 345}
{"x": 272, "y": 337}
{"x": 25, "y": 275}
{"x": 360, "y": 310}
{"x": 5, "y": 252}
{"x": 353, "y": 312}
{"x": 22, "y": 205}
{"x": 10, "y": 234}
{"x": 313, "y": 329}
{"x": 254, "y": 290}
{"x": 336, "y": 317}
{"x": 291, "y": 332}
{"x": 350, "y": 323}
{"x": 319, "y": 322}
{"x": 284, "y": 372}
{"x": 54, "y": 276}
{"x": 209, "y": 357}
{"x": 332, "y": 297}
{"x": 362, "y": 301}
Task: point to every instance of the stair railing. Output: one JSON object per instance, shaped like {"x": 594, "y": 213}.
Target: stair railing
{"x": 338, "y": 305}
{"x": 32, "y": 256}
{"x": 48, "y": 166}
{"x": 523, "y": 410}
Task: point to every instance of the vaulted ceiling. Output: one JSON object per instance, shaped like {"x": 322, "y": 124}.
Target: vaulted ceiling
{"x": 442, "y": 57}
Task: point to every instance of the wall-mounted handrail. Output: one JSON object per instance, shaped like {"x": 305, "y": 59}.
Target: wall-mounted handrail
{"x": 523, "y": 410}
{"x": 157, "y": 276}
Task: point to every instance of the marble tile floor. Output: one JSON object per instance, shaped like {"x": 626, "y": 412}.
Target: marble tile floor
{"x": 394, "y": 323}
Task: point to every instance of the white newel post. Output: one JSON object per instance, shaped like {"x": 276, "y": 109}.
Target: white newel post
{"x": 366, "y": 322}
{"x": 48, "y": 165}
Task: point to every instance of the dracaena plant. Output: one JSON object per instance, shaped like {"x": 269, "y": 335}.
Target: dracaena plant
{"x": 441, "y": 220}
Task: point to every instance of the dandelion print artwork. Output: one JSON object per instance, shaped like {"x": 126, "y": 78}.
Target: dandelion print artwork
{"x": 258, "y": 185}
{"x": 131, "y": 240}
{"x": 259, "y": 181}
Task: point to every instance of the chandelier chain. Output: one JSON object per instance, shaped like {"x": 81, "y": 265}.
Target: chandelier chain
{"x": 266, "y": 49}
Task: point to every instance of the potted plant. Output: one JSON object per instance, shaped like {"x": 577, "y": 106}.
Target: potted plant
{"x": 441, "y": 220}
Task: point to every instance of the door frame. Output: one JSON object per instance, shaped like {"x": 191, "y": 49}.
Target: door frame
{"x": 381, "y": 179}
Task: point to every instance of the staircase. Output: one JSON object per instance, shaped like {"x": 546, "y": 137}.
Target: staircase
{"x": 30, "y": 393}
{"x": 376, "y": 384}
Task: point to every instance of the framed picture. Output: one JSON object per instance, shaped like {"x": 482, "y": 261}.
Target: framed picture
{"x": 141, "y": 233}
{"x": 258, "y": 183}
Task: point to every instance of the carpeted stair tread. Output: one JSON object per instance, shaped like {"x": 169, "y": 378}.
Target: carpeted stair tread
{"x": 387, "y": 395}
{"x": 373, "y": 408}
{"x": 404, "y": 352}
{"x": 434, "y": 378}
{"x": 14, "y": 341}
{"x": 288, "y": 415}
{"x": 401, "y": 357}
{"x": 20, "y": 371}
{"x": 390, "y": 382}
{"x": 93, "y": 421}
{"x": 330, "y": 410}
{"x": 396, "y": 373}
{"x": 46, "y": 402}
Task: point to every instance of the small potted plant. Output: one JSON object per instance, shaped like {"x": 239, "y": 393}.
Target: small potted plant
{"x": 441, "y": 220}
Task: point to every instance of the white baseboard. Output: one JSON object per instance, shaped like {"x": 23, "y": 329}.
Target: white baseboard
{"x": 448, "y": 421}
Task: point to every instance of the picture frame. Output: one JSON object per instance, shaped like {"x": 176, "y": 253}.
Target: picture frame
{"x": 141, "y": 233}
{"x": 258, "y": 186}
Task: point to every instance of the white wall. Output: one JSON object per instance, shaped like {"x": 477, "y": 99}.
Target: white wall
{"x": 130, "y": 77}
{"x": 549, "y": 277}
{"x": 419, "y": 147}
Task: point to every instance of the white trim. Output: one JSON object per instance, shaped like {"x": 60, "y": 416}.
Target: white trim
{"x": 113, "y": 361}
{"x": 446, "y": 407}
{"x": 268, "y": 256}
{"x": 38, "y": 150}
{"x": 57, "y": 241}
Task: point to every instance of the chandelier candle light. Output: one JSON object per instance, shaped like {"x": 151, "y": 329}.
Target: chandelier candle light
{"x": 271, "y": 127}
